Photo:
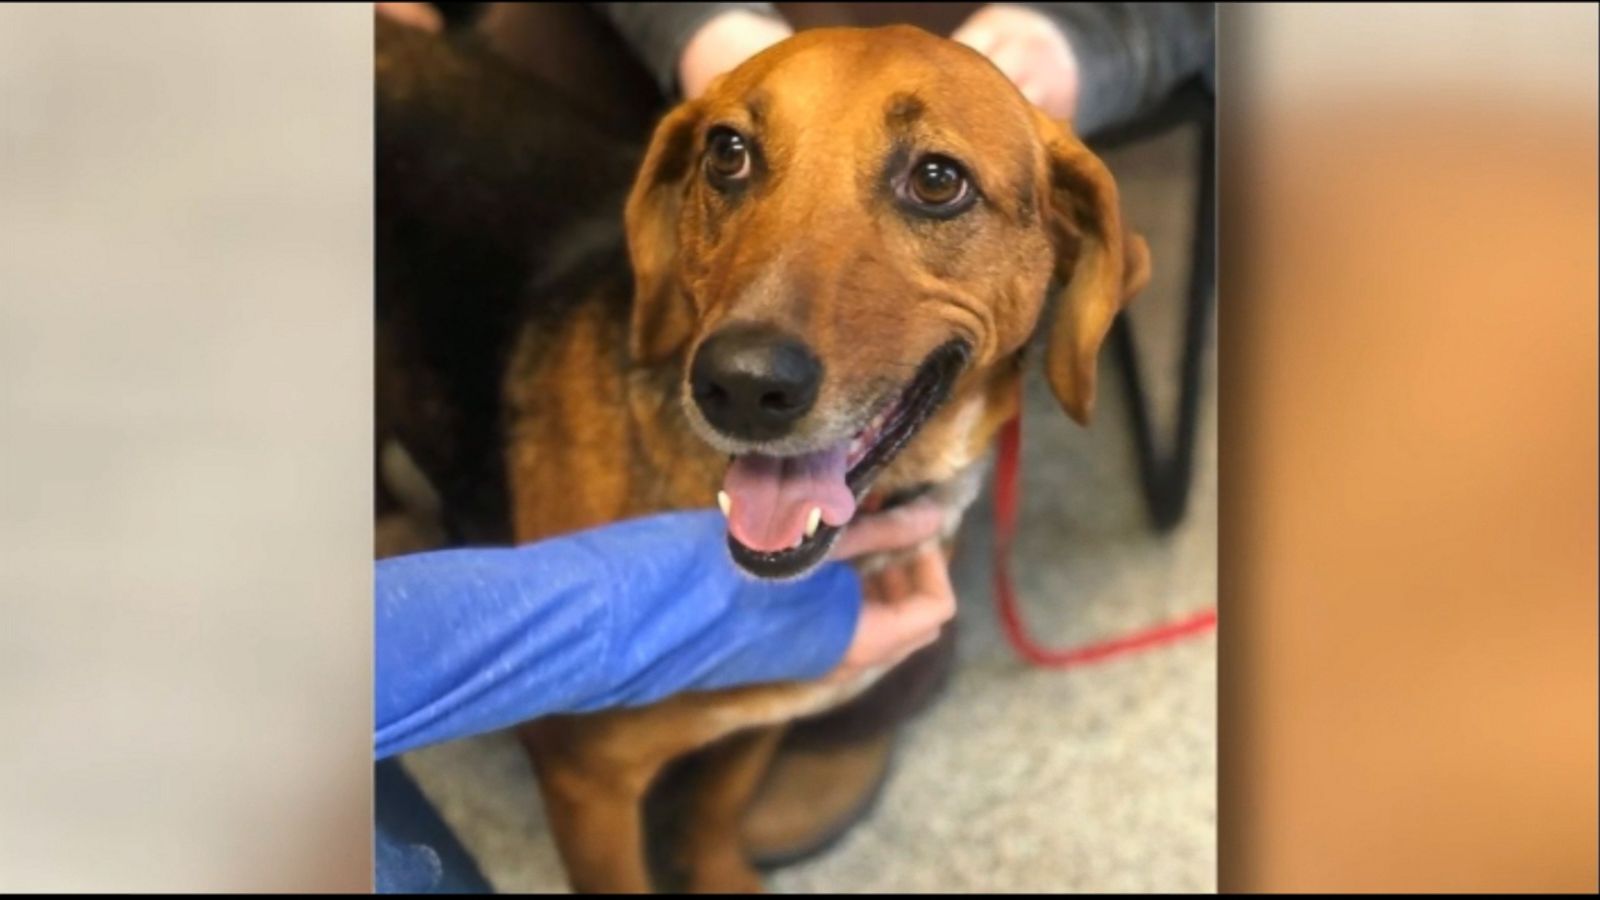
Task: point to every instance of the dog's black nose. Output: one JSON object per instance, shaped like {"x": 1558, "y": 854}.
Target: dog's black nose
{"x": 754, "y": 382}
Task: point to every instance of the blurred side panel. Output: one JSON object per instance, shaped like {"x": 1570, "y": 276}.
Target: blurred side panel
{"x": 185, "y": 433}
{"x": 1408, "y": 547}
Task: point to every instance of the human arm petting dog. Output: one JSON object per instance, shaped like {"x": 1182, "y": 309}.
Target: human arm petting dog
{"x": 472, "y": 640}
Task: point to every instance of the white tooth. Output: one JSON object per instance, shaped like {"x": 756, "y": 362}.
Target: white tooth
{"x": 813, "y": 520}
{"x": 724, "y": 501}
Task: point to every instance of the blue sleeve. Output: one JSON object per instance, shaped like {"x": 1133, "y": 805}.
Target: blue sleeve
{"x": 473, "y": 640}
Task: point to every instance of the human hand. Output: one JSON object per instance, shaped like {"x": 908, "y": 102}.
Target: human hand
{"x": 1031, "y": 51}
{"x": 418, "y": 15}
{"x": 906, "y": 603}
{"x": 724, "y": 42}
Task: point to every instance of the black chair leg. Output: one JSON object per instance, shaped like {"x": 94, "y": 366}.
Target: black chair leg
{"x": 1166, "y": 478}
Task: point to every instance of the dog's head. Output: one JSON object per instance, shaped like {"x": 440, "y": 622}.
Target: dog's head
{"x": 846, "y": 243}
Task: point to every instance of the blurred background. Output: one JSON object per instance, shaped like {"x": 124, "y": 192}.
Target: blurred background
{"x": 1408, "y": 357}
{"x": 1405, "y": 423}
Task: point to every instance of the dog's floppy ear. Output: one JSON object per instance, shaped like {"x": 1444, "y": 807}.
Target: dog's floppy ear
{"x": 1099, "y": 264}
{"x": 662, "y": 318}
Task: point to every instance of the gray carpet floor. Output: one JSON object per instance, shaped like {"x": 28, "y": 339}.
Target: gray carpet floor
{"x": 1018, "y": 779}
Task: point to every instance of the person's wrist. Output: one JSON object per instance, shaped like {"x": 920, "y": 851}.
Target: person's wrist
{"x": 819, "y": 615}
{"x": 722, "y": 43}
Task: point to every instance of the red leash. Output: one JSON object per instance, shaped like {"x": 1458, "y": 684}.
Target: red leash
{"x": 1005, "y": 528}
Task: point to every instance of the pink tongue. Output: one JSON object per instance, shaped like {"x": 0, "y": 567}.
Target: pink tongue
{"x": 773, "y": 496}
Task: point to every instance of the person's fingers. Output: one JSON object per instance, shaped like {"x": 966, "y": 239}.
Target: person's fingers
{"x": 976, "y": 35}
{"x": 916, "y": 618}
{"x": 418, "y": 15}
{"x": 929, "y": 576}
{"x": 1035, "y": 93}
{"x": 1012, "y": 57}
{"x": 906, "y": 606}
{"x": 928, "y": 637}
{"x": 900, "y": 528}
{"x": 924, "y": 598}
{"x": 895, "y": 582}
{"x": 872, "y": 589}
{"x": 915, "y": 622}
{"x": 888, "y": 632}
{"x": 722, "y": 44}
{"x": 1030, "y": 50}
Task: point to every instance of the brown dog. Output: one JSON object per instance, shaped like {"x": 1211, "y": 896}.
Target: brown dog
{"x": 839, "y": 255}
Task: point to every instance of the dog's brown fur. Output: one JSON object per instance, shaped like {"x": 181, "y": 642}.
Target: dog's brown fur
{"x": 598, "y": 406}
{"x": 597, "y": 427}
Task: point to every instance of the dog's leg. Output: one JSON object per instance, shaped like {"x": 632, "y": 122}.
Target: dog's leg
{"x": 595, "y": 769}
{"x": 594, "y": 803}
{"x": 711, "y": 850}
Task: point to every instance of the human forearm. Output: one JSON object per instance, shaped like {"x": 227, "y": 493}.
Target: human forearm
{"x": 473, "y": 640}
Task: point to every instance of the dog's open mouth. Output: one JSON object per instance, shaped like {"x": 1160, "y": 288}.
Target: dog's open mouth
{"x": 784, "y": 513}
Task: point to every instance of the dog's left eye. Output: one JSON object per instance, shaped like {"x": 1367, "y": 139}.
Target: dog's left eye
{"x": 939, "y": 186}
{"x": 727, "y": 156}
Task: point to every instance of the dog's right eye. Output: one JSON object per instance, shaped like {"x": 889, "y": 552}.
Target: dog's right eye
{"x": 727, "y": 157}
{"x": 937, "y": 187}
